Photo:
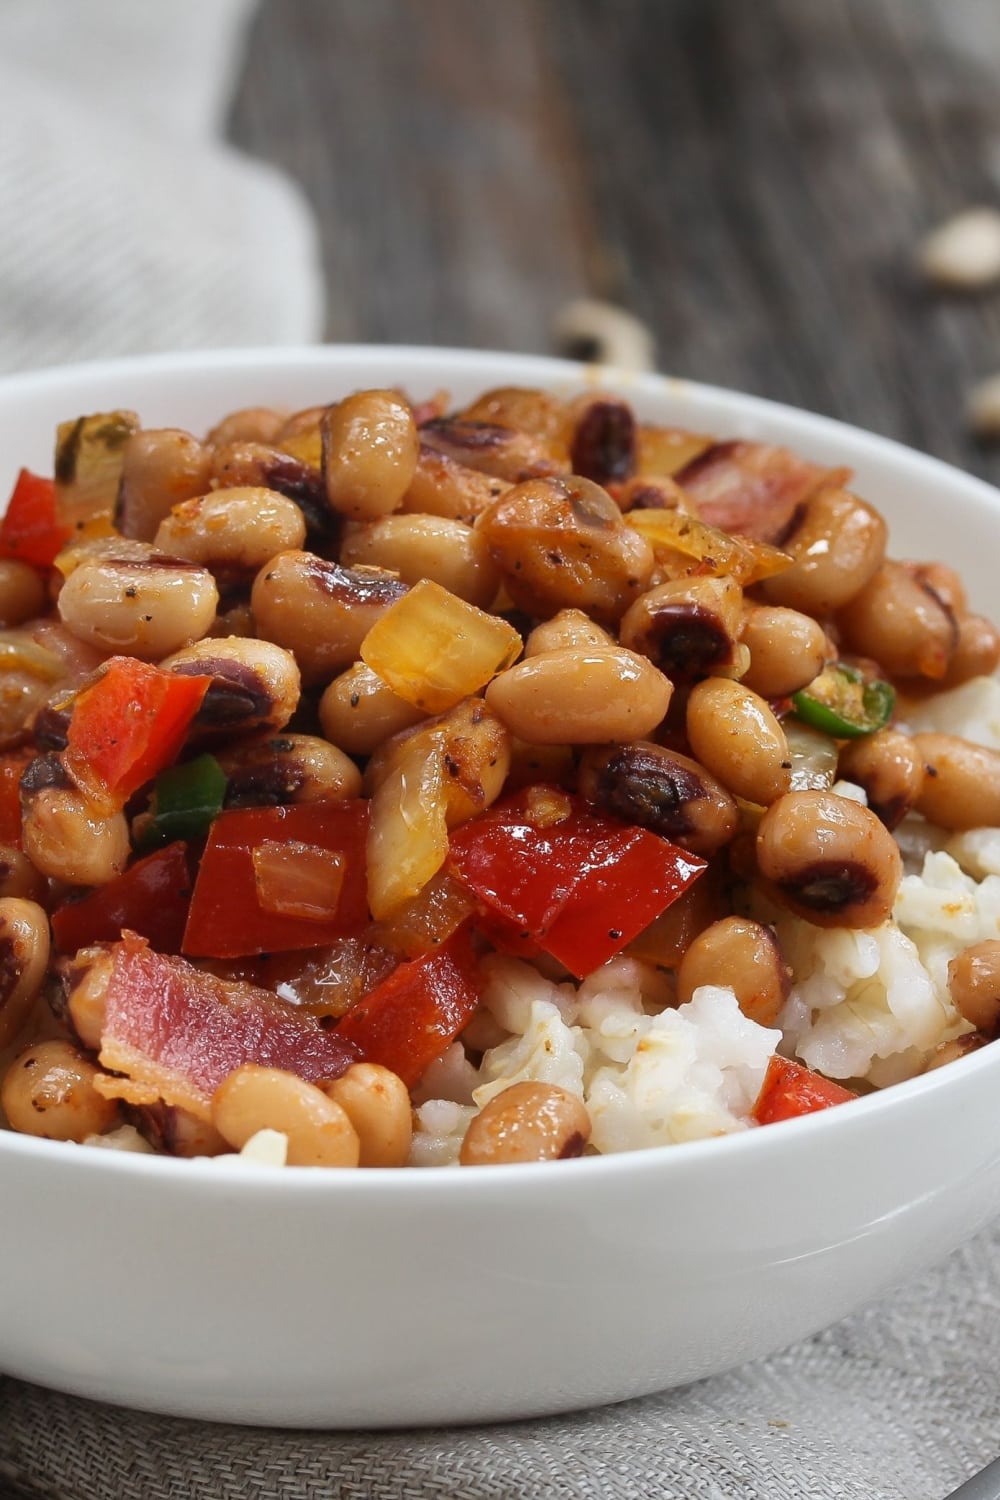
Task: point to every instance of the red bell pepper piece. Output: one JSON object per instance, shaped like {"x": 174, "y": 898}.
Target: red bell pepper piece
{"x": 128, "y": 726}
{"x": 789, "y": 1090}
{"x": 176, "y": 1032}
{"x": 578, "y": 883}
{"x": 11, "y": 770}
{"x": 31, "y": 530}
{"x": 227, "y": 918}
{"x": 417, "y": 1011}
{"x": 151, "y": 898}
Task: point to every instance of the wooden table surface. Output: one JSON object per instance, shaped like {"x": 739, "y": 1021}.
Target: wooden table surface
{"x": 750, "y": 177}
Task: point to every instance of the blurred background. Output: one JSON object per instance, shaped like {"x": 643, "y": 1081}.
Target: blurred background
{"x": 753, "y": 181}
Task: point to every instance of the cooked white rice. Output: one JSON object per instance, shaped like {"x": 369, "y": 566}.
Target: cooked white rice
{"x": 869, "y": 1005}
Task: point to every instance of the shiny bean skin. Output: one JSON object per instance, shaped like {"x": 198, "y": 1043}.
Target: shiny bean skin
{"x": 974, "y": 985}
{"x": 527, "y": 1122}
{"x": 358, "y": 711}
{"x": 689, "y": 626}
{"x": 63, "y": 835}
{"x": 160, "y": 468}
{"x": 902, "y": 623}
{"x": 569, "y": 628}
{"x": 49, "y": 1091}
{"x": 232, "y": 529}
{"x": 288, "y": 768}
{"x": 538, "y": 412}
{"x": 255, "y": 684}
{"x": 787, "y": 650}
{"x": 443, "y": 487}
{"x": 744, "y": 955}
{"x": 377, "y": 1103}
{"x": 24, "y": 957}
{"x": 961, "y": 785}
{"x": 838, "y": 544}
{"x": 320, "y": 611}
{"x": 250, "y": 424}
{"x": 87, "y": 978}
{"x": 661, "y": 790}
{"x": 257, "y": 1098}
{"x": 943, "y": 581}
{"x": 143, "y": 608}
{"x": 976, "y": 653}
{"x": 22, "y": 592}
{"x": 502, "y": 452}
{"x": 18, "y": 876}
{"x": 654, "y": 493}
{"x": 955, "y": 1049}
{"x": 561, "y": 543}
{"x": 370, "y": 451}
{"x": 447, "y": 552}
{"x": 581, "y": 696}
{"x": 889, "y": 767}
{"x": 733, "y": 732}
{"x": 829, "y": 859}
{"x": 603, "y": 446}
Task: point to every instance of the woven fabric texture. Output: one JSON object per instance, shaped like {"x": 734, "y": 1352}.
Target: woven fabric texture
{"x": 901, "y": 1402}
{"x": 130, "y": 226}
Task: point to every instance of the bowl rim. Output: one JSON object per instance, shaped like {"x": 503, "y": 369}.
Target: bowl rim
{"x": 239, "y": 1176}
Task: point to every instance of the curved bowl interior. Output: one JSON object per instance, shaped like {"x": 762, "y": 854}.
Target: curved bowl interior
{"x": 373, "y": 1299}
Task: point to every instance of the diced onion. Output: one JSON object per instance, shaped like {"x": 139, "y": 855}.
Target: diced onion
{"x": 664, "y": 451}
{"x": 742, "y": 558}
{"x": 298, "y": 880}
{"x": 408, "y": 832}
{"x": 434, "y": 649}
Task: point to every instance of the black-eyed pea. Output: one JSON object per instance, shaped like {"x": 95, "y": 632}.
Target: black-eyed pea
{"x": 18, "y": 876}
{"x": 838, "y": 543}
{"x": 415, "y": 547}
{"x": 250, "y": 424}
{"x": 976, "y": 653}
{"x": 561, "y": 543}
{"x": 138, "y": 607}
{"x": 688, "y": 626}
{"x": 733, "y": 732}
{"x": 160, "y": 468}
{"x": 538, "y": 412}
{"x": 22, "y": 592}
{"x": 86, "y": 978}
{"x": 255, "y": 684}
{"x": 49, "y": 1091}
{"x": 661, "y": 790}
{"x": 901, "y": 622}
{"x": 974, "y": 985}
{"x": 829, "y": 860}
{"x": 258, "y": 1098}
{"x": 527, "y": 1122}
{"x": 506, "y": 453}
{"x": 24, "y": 944}
{"x": 961, "y": 782}
{"x": 358, "y": 711}
{"x": 603, "y": 446}
{"x": 441, "y": 486}
{"x": 889, "y": 767}
{"x": 787, "y": 649}
{"x": 370, "y": 451}
{"x": 287, "y": 768}
{"x": 63, "y": 835}
{"x": 569, "y": 628}
{"x": 377, "y": 1103}
{"x": 955, "y": 1049}
{"x": 744, "y": 955}
{"x": 237, "y": 529}
{"x": 581, "y": 696}
{"x": 320, "y": 611}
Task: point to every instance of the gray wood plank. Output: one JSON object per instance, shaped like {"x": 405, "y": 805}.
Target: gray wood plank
{"x": 750, "y": 179}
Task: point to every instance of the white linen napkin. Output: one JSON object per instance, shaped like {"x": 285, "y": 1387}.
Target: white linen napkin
{"x": 129, "y": 225}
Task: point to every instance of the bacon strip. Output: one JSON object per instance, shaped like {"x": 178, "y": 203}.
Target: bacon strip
{"x": 753, "y": 489}
{"x": 178, "y": 1032}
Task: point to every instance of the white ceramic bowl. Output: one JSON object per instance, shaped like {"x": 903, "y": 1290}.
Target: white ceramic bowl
{"x": 313, "y": 1298}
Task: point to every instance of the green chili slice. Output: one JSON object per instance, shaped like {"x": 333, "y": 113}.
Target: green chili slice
{"x": 185, "y": 800}
{"x": 842, "y": 703}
